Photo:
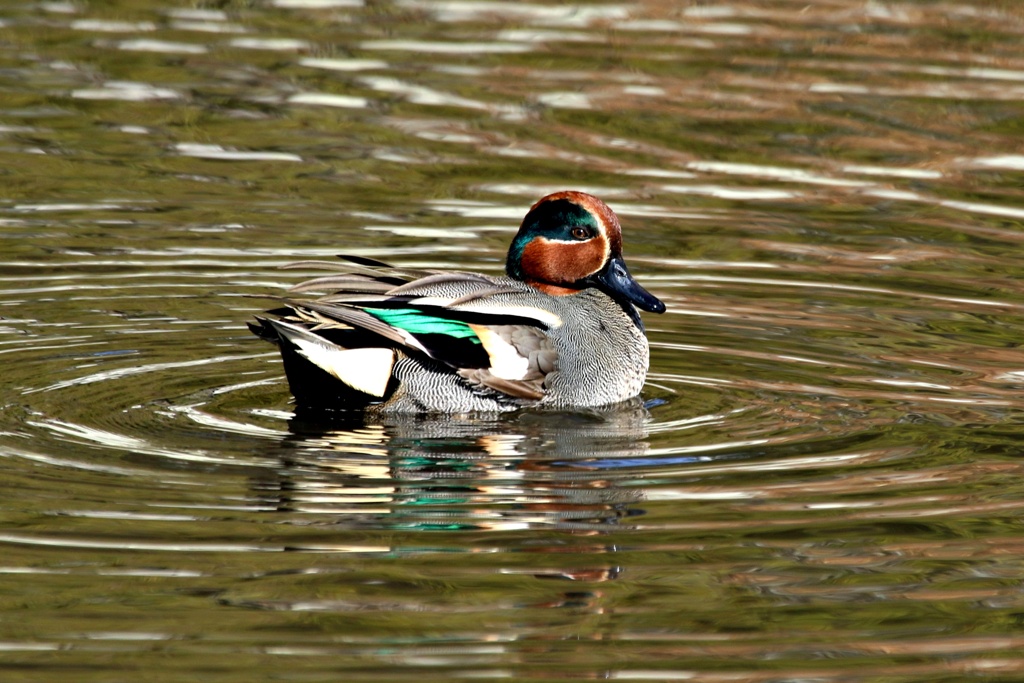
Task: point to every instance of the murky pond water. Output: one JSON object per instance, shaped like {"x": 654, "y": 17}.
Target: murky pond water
{"x": 827, "y": 484}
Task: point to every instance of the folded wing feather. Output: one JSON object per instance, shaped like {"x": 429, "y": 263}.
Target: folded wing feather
{"x": 438, "y": 314}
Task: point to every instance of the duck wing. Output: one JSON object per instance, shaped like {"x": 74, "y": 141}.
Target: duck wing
{"x": 477, "y": 326}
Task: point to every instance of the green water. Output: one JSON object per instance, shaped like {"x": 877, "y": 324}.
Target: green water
{"x": 827, "y": 485}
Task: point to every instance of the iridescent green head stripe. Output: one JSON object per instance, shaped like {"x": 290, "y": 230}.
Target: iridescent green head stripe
{"x": 553, "y": 220}
{"x": 565, "y": 219}
{"x": 570, "y": 241}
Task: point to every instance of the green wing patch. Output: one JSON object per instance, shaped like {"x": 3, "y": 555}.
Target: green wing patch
{"x": 416, "y": 322}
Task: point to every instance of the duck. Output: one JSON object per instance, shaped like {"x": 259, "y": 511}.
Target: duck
{"x": 561, "y": 329}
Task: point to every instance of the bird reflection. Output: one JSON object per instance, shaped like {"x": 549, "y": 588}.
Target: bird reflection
{"x": 420, "y": 472}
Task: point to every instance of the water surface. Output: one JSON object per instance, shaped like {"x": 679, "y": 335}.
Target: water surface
{"x": 826, "y": 485}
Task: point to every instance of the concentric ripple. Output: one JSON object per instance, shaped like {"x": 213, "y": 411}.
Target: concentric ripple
{"x": 822, "y": 485}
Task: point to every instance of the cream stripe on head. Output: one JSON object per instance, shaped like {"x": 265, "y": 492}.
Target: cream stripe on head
{"x": 607, "y": 221}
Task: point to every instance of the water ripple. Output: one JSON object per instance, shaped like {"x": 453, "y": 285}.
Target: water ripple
{"x": 822, "y": 484}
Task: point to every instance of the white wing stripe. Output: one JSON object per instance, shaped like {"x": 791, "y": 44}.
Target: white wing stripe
{"x": 539, "y": 314}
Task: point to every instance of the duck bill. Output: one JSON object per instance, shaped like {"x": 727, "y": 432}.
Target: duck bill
{"x": 616, "y": 281}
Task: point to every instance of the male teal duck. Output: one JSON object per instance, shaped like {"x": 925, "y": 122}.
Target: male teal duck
{"x": 561, "y": 330}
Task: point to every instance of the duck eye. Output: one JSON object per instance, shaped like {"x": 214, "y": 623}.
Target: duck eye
{"x": 580, "y": 233}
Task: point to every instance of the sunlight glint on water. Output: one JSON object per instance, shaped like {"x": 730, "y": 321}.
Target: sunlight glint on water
{"x": 825, "y": 483}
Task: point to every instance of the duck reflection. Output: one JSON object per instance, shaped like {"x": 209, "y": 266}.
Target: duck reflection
{"x": 416, "y": 472}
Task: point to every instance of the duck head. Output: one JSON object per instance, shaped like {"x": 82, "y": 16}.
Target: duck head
{"x": 570, "y": 241}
